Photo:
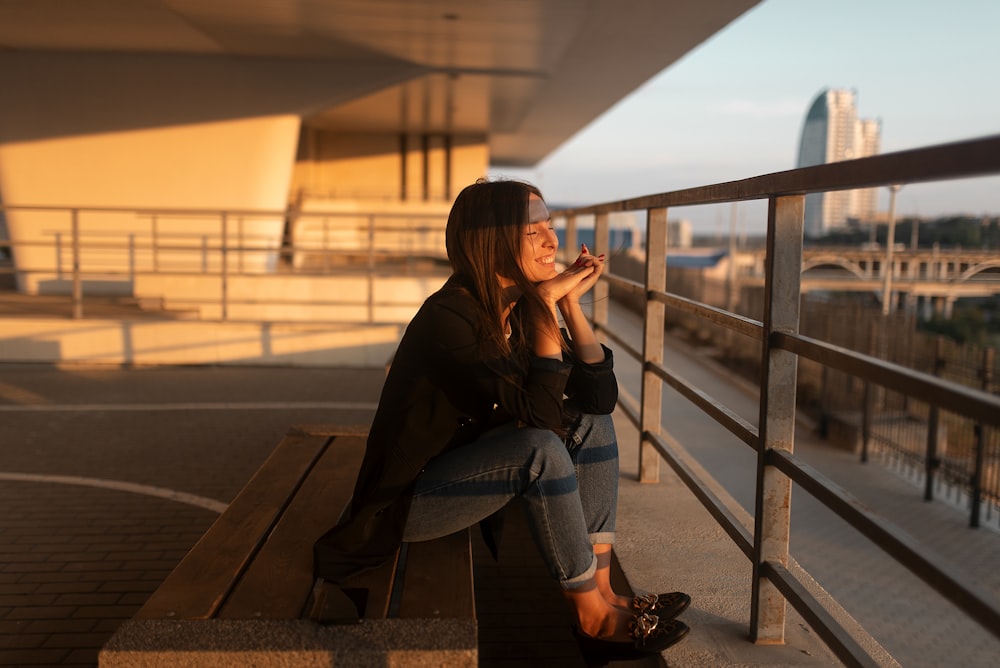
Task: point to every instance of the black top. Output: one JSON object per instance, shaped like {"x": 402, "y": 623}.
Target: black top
{"x": 441, "y": 392}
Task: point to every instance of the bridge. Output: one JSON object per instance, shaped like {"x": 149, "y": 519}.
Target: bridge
{"x": 924, "y": 281}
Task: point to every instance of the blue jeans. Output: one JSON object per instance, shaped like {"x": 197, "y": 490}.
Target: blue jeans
{"x": 570, "y": 489}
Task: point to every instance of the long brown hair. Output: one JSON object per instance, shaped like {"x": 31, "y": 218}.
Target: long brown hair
{"x": 483, "y": 239}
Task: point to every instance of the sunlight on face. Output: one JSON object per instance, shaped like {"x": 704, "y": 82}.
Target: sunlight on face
{"x": 539, "y": 243}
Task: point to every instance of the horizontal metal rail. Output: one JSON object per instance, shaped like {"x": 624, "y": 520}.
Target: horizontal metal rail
{"x": 634, "y": 288}
{"x": 964, "y": 159}
{"x": 621, "y": 343}
{"x": 739, "y": 427}
{"x": 717, "y": 316}
{"x": 960, "y": 399}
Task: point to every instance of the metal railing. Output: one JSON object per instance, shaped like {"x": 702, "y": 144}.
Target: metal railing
{"x": 766, "y": 543}
{"x": 81, "y": 244}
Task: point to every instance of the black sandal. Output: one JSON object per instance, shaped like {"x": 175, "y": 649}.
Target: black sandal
{"x": 664, "y": 606}
{"x": 651, "y": 635}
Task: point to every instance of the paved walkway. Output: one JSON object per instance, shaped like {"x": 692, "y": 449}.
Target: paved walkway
{"x": 108, "y": 476}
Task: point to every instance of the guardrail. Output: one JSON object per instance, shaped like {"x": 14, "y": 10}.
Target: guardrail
{"x": 766, "y": 544}
{"x": 73, "y": 245}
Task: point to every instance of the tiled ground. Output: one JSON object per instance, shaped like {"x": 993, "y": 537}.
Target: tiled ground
{"x": 77, "y": 561}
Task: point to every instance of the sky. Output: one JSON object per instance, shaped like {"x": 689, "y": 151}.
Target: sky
{"x": 733, "y": 108}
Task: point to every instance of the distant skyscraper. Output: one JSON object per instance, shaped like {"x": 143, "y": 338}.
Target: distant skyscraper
{"x": 833, "y": 132}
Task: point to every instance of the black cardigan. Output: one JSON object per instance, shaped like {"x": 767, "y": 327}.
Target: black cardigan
{"x": 440, "y": 393}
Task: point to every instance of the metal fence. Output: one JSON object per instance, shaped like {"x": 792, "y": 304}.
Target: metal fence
{"x": 90, "y": 252}
{"x": 958, "y": 460}
{"x": 782, "y": 345}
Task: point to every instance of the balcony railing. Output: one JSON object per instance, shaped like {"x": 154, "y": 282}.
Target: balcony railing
{"x": 766, "y": 543}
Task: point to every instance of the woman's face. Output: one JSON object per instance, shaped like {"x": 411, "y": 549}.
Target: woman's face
{"x": 538, "y": 243}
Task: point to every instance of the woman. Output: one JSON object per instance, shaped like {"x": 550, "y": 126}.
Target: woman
{"x": 486, "y": 400}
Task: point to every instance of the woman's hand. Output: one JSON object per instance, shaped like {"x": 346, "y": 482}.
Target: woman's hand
{"x": 562, "y": 293}
{"x": 574, "y": 281}
{"x": 586, "y": 261}
{"x": 585, "y": 344}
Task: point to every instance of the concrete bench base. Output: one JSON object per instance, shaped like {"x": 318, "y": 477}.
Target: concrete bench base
{"x": 416, "y": 643}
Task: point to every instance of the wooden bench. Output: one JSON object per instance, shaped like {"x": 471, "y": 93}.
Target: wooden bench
{"x": 245, "y": 593}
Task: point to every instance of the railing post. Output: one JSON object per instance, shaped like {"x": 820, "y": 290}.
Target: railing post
{"x": 241, "y": 244}
{"x": 777, "y": 414}
{"x": 572, "y": 248}
{"x": 131, "y": 260}
{"x": 868, "y": 398}
{"x": 156, "y": 244}
{"x": 599, "y": 309}
{"x": 652, "y": 343}
{"x": 371, "y": 269}
{"x": 59, "y": 251}
{"x": 976, "y": 494}
{"x": 77, "y": 281}
{"x": 932, "y": 462}
{"x": 887, "y": 300}
{"x": 224, "y": 260}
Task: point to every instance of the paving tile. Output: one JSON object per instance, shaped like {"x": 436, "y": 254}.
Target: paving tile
{"x": 32, "y": 657}
{"x": 40, "y": 612}
{"x": 87, "y": 599}
{"x": 10, "y": 588}
{"x": 55, "y": 626}
{"x": 75, "y": 640}
{"x": 12, "y": 626}
{"x": 147, "y": 586}
{"x": 23, "y": 640}
{"x": 81, "y": 657}
{"x": 104, "y": 612}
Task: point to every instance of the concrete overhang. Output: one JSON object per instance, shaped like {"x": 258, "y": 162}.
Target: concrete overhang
{"x": 526, "y": 74}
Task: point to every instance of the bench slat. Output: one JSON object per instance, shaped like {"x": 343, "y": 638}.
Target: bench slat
{"x": 438, "y": 579}
{"x": 202, "y": 580}
{"x": 278, "y": 582}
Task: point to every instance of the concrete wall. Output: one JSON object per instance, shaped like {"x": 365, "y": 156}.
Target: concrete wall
{"x": 243, "y": 163}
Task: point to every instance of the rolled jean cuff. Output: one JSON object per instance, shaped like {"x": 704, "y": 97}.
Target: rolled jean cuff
{"x": 581, "y": 579}
{"x": 602, "y": 538}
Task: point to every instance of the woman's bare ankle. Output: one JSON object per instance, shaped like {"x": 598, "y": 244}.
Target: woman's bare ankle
{"x": 617, "y": 600}
{"x": 596, "y": 616}
{"x": 612, "y": 625}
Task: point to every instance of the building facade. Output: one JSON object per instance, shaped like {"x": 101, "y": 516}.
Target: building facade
{"x": 833, "y": 132}
{"x": 290, "y": 109}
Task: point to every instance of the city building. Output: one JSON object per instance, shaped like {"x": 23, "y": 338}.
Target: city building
{"x": 833, "y": 132}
